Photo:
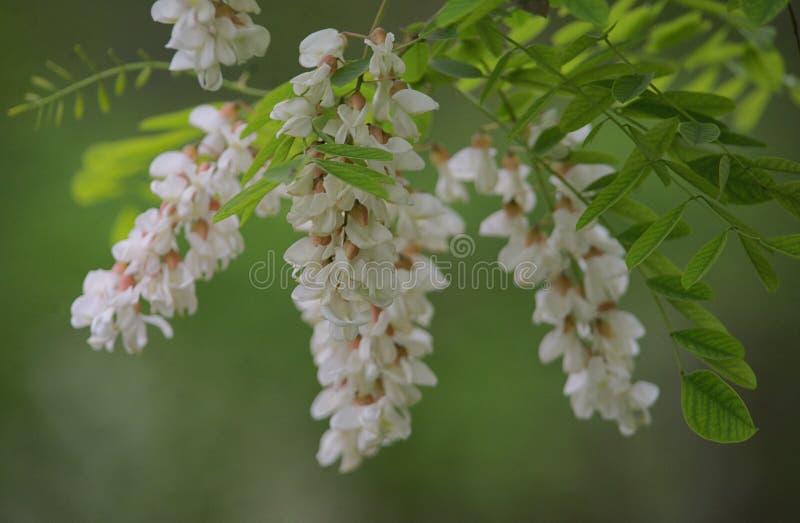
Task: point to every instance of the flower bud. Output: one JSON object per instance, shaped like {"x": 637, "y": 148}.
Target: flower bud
{"x": 378, "y": 35}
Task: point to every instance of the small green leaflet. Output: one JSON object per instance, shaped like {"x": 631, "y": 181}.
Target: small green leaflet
{"x": 778, "y": 164}
{"x": 697, "y": 133}
{"x": 143, "y": 77}
{"x": 709, "y": 343}
{"x": 713, "y": 410}
{"x": 586, "y": 107}
{"x": 762, "y": 11}
{"x": 349, "y": 72}
{"x": 494, "y": 76}
{"x": 671, "y": 287}
{"x": 455, "y": 68}
{"x": 594, "y": 11}
{"x": 353, "y": 151}
{"x": 788, "y": 245}
{"x": 697, "y": 314}
{"x": 102, "y": 98}
{"x": 703, "y": 259}
{"x": 416, "y": 60}
{"x": 358, "y": 176}
{"x": 119, "y": 84}
{"x": 628, "y": 87}
{"x": 249, "y": 198}
{"x": 736, "y": 371}
{"x": 532, "y": 112}
{"x": 766, "y": 273}
{"x": 264, "y": 154}
{"x": 653, "y": 237}
{"x": 259, "y": 117}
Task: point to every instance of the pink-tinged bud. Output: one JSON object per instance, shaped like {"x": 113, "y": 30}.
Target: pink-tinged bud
{"x": 563, "y": 284}
{"x": 350, "y": 249}
{"x": 379, "y": 134}
{"x": 399, "y": 85}
{"x": 439, "y": 154}
{"x": 225, "y": 11}
{"x": 355, "y": 342}
{"x": 330, "y": 61}
{"x": 126, "y": 282}
{"x": 360, "y": 213}
{"x": 229, "y": 111}
{"x": 313, "y": 153}
{"x": 204, "y": 167}
{"x": 510, "y": 162}
{"x": 593, "y": 253}
{"x": 404, "y": 262}
{"x": 369, "y": 399}
{"x": 200, "y": 227}
{"x": 376, "y": 312}
{"x": 534, "y": 236}
{"x": 402, "y": 352}
{"x": 119, "y": 268}
{"x": 172, "y": 259}
{"x": 319, "y": 184}
{"x": 512, "y": 209}
{"x": 357, "y": 101}
{"x": 190, "y": 151}
{"x": 317, "y": 241}
{"x": 214, "y": 205}
{"x": 166, "y": 209}
{"x": 565, "y": 204}
{"x": 481, "y": 141}
{"x": 377, "y": 36}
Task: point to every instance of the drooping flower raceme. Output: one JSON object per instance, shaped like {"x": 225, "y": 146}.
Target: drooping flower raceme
{"x": 587, "y": 276}
{"x": 207, "y": 34}
{"x": 149, "y": 268}
{"x": 362, "y": 275}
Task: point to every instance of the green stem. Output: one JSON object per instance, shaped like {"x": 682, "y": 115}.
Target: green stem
{"x": 114, "y": 71}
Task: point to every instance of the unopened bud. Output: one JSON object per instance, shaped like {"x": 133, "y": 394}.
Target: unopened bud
{"x": 379, "y": 134}
{"x": 119, "y": 268}
{"x": 317, "y": 241}
{"x": 512, "y": 209}
{"x": 126, "y": 282}
{"x": 377, "y": 36}
{"x": 172, "y": 259}
{"x": 439, "y": 154}
{"x": 331, "y": 61}
{"x": 200, "y": 227}
{"x": 355, "y": 342}
{"x": 190, "y": 151}
{"x": 510, "y": 162}
{"x": 481, "y": 141}
{"x": 357, "y": 101}
{"x": 229, "y": 111}
{"x": 350, "y": 249}
{"x": 214, "y": 205}
{"x": 360, "y": 213}
{"x": 397, "y": 86}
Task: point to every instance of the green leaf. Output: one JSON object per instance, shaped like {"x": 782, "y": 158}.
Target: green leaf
{"x": 494, "y": 76}
{"x": 634, "y": 210}
{"x": 697, "y": 133}
{"x": 264, "y": 154}
{"x": 653, "y": 237}
{"x": 143, "y": 77}
{"x": 455, "y": 10}
{"x": 762, "y": 11}
{"x": 736, "y": 371}
{"x": 676, "y": 31}
{"x": 352, "y": 151}
{"x": 713, "y": 410}
{"x": 709, "y": 343}
{"x": 119, "y": 84}
{"x": 358, "y": 176}
{"x": 628, "y": 87}
{"x": 584, "y": 108}
{"x": 634, "y": 232}
{"x": 746, "y": 184}
{"x": 788, "y": 195}
{"x": 548, "y": 139}
{"x": 594, "y": 11}
{"x": 349, "y": 72}
{"x": 697, "y": 314}
{"x": 416, "y": 60}
{"x": 788, "y": 245}
{"x": 250, "y": 197}
{"x": 455, "y": 68}
{"x": 671, "y": 287}
{"x": 766, "y": 273}
{"x": 102, "y": 98}
{"x": 532, "y": 112}
{"x": 724, "y": 174}
{"x": 778, "y": 164}
{"x": 703, "y": 259}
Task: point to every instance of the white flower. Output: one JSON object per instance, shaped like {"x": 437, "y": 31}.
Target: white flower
{"x": 317, "y": 45}
{"x": 448, "y": 189}
{"x": 206, "y": 35}
{"x": 384, "y": 63}
{"x": 315, "y": 86}
{"x": 476, "y": 163}
{"x": 398, "y": 104}
{"x": 298, "y": 114}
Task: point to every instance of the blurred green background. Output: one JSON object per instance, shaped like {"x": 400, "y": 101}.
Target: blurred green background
{"x": 214, "y": 425}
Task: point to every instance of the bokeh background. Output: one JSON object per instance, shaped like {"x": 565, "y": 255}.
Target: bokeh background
{"x": 214, "y": 425}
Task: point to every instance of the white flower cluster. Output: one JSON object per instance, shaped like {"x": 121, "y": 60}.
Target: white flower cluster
{"x": 596, "y": 341}
{"x": 149, "y": 267}
{"x": 211, "y": 33}
{"x": 363, "y": 277}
